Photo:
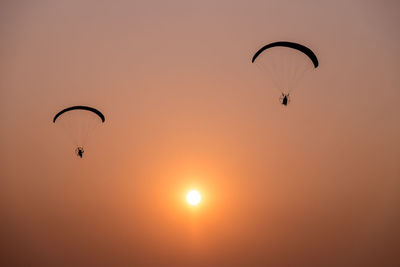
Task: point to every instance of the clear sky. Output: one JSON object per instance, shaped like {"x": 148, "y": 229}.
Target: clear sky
{"x": 313, "y": 184}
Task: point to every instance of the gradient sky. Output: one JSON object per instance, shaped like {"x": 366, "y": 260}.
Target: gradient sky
{"x": 313, "y": 184}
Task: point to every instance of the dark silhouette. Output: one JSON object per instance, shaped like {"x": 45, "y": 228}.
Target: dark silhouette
{"x": 79, "y": 151}
{"x": 307, "y": 51}
{"x": 285, "y": 99}
{"x": 95, "y": 111}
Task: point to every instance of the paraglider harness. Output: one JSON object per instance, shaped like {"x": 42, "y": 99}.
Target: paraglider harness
{"x": 79, "y": 151}
{"x": 284, "y": 99}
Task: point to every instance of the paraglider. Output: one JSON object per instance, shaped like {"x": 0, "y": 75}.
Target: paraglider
{"x": 285, "y": 63}
{"x": 78, "y": 122}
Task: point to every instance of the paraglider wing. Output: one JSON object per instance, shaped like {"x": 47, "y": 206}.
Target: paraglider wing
{"x": 97, "y": 112}
{"x": 307, "y": 51}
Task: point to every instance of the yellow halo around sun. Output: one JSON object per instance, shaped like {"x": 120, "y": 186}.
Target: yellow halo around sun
{"x": 193, "y": 197}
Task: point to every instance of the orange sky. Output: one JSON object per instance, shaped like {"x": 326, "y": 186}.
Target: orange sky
{"x": 314, "y": 184}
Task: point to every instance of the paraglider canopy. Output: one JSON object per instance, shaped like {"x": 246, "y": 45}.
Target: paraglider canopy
{"x": 307, "y": 51}
{"x": 95, "y": 111}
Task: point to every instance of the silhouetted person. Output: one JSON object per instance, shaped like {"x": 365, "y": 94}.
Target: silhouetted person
{"x": 285, "y": 99}
{"x": 79, "y": 151}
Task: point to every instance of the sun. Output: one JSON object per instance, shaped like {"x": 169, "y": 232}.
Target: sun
{"x": 193, "y": 197}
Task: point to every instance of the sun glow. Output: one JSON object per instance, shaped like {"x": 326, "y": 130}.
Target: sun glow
{"x": 193, "y": 197}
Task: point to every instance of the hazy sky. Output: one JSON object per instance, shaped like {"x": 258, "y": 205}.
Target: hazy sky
{"x": 313, "y": 184}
